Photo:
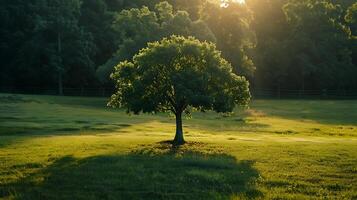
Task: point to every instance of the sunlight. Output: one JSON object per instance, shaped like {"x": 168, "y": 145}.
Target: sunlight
{"x": 225, "y": 3}
{"x": 240, "y": 1}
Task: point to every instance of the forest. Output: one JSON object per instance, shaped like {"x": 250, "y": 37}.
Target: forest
{"x": 278, "y": 45}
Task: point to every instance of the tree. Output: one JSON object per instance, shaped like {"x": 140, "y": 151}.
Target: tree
{"x": 97, "y": 19}
{"x": 320, "y": 42}
{"x": 67, "y": 44}
{"x": 43, "y": 45}
{"x": 174, "y": 75}
{"x": 351, "y": 18}
{"x": 270, "y": 53}
{"x": 231, "y": 27}
{"x": 11, "y": 37}
{"x": 136, "y": 27}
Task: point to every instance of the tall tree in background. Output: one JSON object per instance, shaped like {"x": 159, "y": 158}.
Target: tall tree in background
{"x": 96, "y": 17}
{"x": 298, "y": 45}
{"x": 301, "y": 45}
{"x": 271, "y": 52}
{"x": 231, "y": 27}
{"x": 193, "y": 7}
{"x": 43, "y": 42}
{"x": 68, "y": 45}
{"x": 351, "y": 18}
{"x": 136, "y": 27}
{"x": 15, "y": 30}
{"x": 320, "y": 55}
{"x": 343, "y": 3}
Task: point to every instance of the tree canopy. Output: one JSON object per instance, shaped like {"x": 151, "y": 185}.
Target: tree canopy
{"x": 176, "y": 74}
{"x": 138, "y": 26}
{"x": 279, "y": 45}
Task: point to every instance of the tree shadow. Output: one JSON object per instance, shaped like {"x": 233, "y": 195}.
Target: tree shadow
{"x": 23, "y": 115}
{"x": 159, "y": 171}
{"x": 19, "y": 133}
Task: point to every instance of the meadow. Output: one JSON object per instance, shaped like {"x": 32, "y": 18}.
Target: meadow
{"x": 77, "y": 148}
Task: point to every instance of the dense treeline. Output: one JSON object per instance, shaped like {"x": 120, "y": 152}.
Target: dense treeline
{"x": 277, "y": 44}
{"x": 303, "y": 44}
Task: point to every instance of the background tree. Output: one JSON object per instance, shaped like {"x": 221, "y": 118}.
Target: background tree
{"x": 301, "y": 45}
{"x": 231, "y": 27}
{"x": 351, "y": 19}
{"x": 67, "y": 44}
{"x": 320, "y": 55}
{"x": 175, "y": 74}
{"x": 12, "y": 37}
{"x": 44, "y": 43}
{"x": 136, "y": 27}
{"x": 96, "y": 18}
{"x": 280, "y": 45}
{"x": 270, "y": 54}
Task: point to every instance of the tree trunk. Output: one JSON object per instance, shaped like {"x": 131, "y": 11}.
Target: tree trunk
{"x": 279, "y": 90}
{"x": 179, "y": 140}
{"x": 60, "y": 84}
{"x": 303, "y": 82}
{"x": 60, "y": 81}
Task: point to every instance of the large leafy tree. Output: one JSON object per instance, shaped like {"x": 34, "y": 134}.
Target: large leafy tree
{"x": 231, "y": 27}
{"x": 68, "y": 47}
{"x": 137, "y": 26}
{"x": 351, "y": 18}
{"x": 96, "y": 18}
{"x": 320, "y": 55}
{"x": 43, "y": 44}
{"x": 176, "y": 74}
{"x": 12, "y": 37}
{"x": 270, "y": 55}
{"x": 302, "y": 45}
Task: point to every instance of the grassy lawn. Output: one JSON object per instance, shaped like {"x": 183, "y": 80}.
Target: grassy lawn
{"x": 76, "y": 148}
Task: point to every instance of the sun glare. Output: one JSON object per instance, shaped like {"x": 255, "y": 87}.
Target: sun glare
{"x": 240, "y": 1}
{"x": 225, "y": 3}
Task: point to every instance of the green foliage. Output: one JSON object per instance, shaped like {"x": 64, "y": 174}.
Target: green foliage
{"x": 96, "y": 17}
{"x": 52, "y": 44}
{"x": 277, "y": 44}
{"x": 177, "y": 73}
{"x": 306, "y": 46}
{"x": 321, "y": 44}
{"x": 68, "y": 47}
{"x": 269, "y": 55}
{"x": 351, "y": 18}
{"x": 231, "y": 26}
{"x": 138, "y": 26}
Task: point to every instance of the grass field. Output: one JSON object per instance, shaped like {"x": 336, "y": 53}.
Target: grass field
{"x": 76, "y": 148}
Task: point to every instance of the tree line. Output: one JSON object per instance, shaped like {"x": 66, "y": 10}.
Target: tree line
{"x": 276, "y": 44}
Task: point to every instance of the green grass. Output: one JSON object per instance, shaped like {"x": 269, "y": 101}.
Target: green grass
{"x": 76, "y": 148}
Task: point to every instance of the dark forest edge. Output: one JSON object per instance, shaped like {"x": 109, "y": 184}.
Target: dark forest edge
{"x": 284, "y": 46}
{"x": 106, "y": 92}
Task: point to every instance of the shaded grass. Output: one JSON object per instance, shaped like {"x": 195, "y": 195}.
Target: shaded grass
{"x": 138, "y": 175}
{"x": 98, "y": 165}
